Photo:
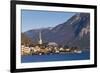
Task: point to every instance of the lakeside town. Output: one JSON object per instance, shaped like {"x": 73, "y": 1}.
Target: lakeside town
{"x": 47, "y": 48}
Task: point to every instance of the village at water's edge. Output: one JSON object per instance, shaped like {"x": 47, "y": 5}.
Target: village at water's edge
{"x": 47, "y": 48}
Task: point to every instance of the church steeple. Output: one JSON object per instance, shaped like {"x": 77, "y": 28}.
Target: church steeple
{"x": 40, "y": 37}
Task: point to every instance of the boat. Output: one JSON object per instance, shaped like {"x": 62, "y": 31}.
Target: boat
{"x": 78, "y": 51}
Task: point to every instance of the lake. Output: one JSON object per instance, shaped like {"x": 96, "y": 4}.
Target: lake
{"x": 56, "y": 57}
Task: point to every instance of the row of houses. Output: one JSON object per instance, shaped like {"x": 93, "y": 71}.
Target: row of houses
{"x": 51, "y": 48}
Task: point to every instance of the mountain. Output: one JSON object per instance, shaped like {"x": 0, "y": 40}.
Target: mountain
{"x": 73, "y": 32}
{"x": 34, "y": 34}
{"x": 26, "y": 40}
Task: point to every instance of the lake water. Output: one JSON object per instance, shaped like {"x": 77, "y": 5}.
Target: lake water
{"x": 56, "y": 57}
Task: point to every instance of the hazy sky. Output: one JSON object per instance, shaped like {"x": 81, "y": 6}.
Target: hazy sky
{"x": 32, "y": 19}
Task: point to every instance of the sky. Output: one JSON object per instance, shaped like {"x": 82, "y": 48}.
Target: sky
{"x": 32, "y": 19}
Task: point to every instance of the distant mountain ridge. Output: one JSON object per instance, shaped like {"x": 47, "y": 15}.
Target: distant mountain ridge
{"x": 73, "y": 32}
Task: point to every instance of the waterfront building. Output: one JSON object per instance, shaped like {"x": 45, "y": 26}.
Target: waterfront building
{"x": 25, "y": 50}
{"x": 53, "y": 44}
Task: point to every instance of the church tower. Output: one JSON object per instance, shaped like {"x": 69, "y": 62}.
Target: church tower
{"x": 40, "y": 38}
